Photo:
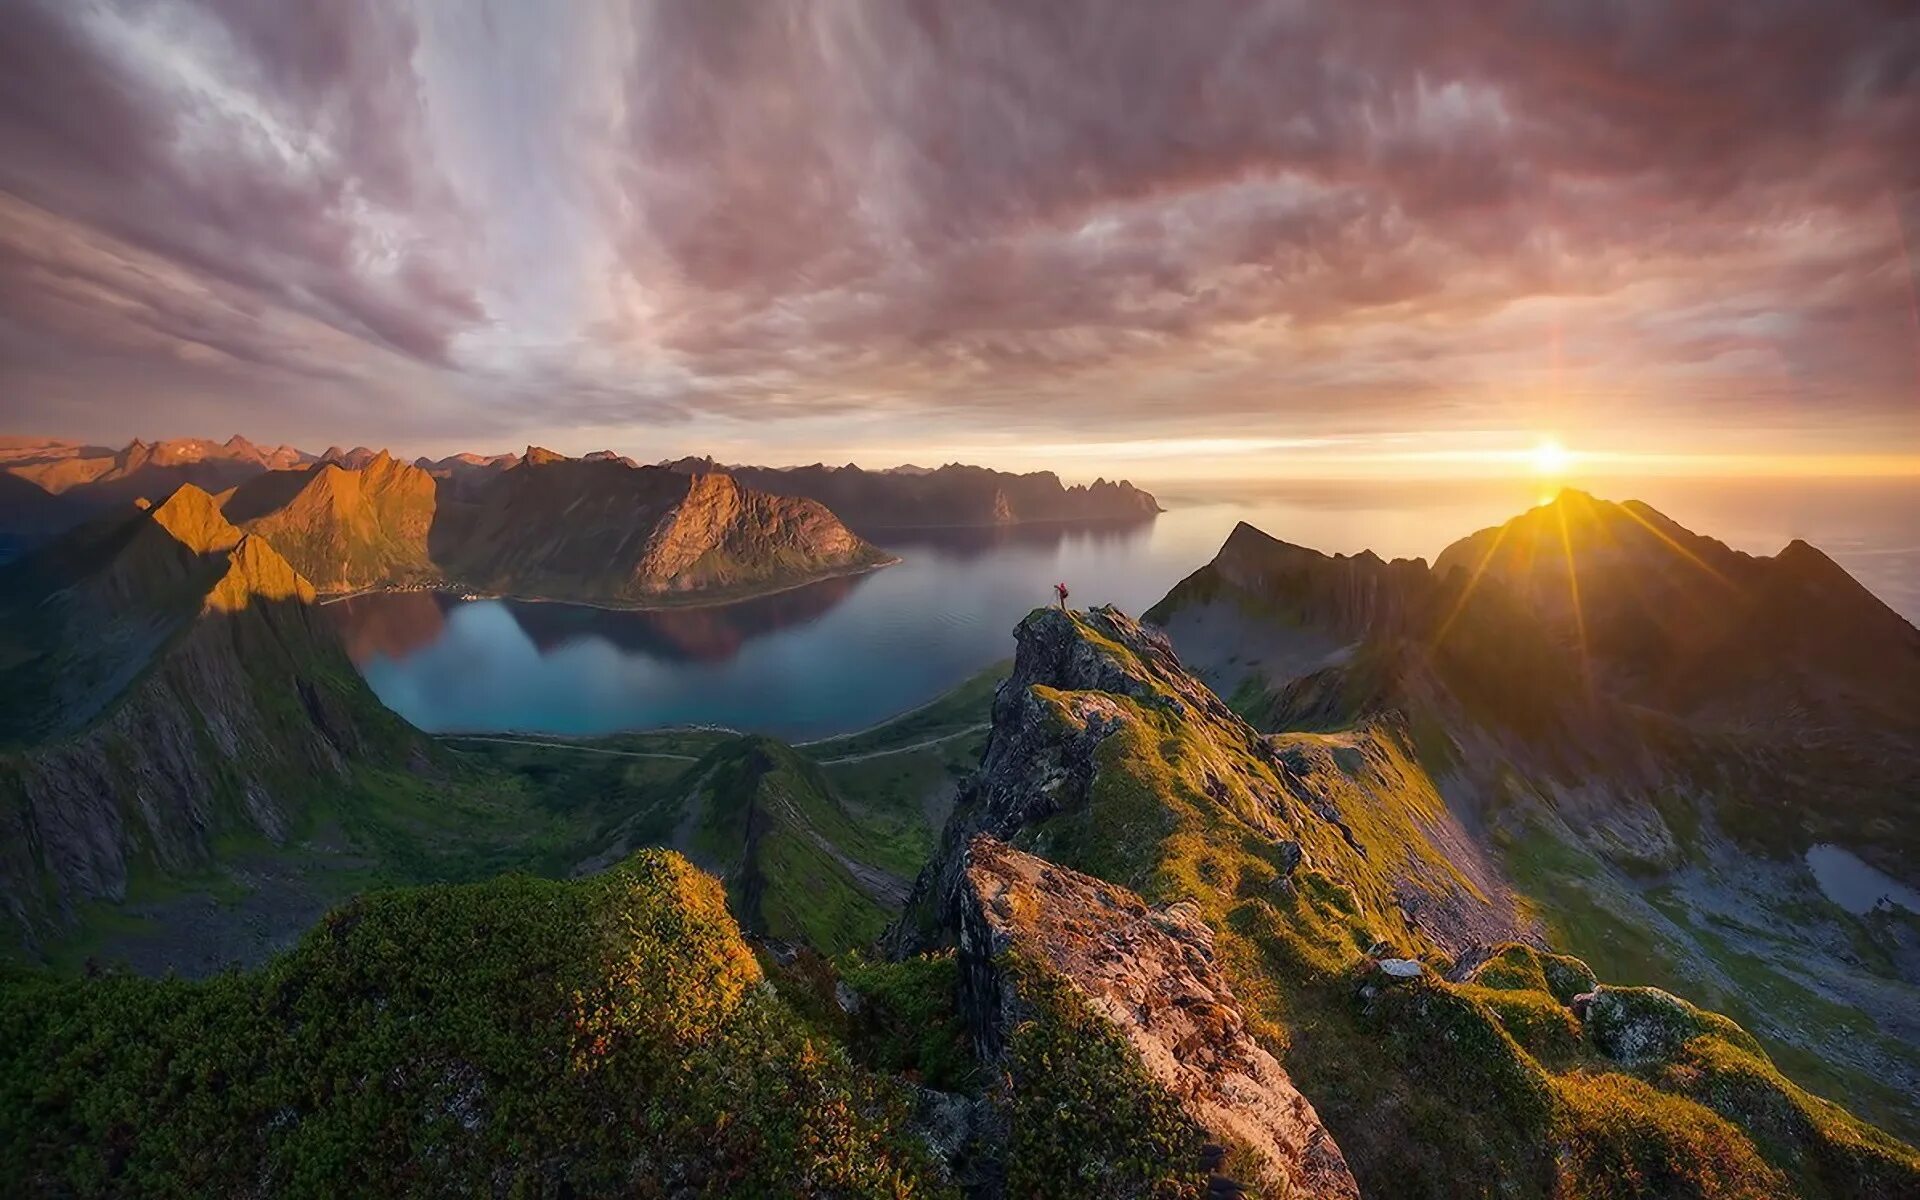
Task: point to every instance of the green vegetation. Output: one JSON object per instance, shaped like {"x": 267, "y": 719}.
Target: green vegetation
{"x": 1430, "y": 1088}
{"x": 966, "y": 707}
{"x": 1087, "y": 1119}
{"x": 908, "y": 1022}
{"x": 517, "y": 1037}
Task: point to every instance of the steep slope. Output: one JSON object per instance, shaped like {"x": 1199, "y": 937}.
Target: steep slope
{"x": 29, "y": 514}
{"x": 1435, "y": 1074}
{"x": 1151, "y": 974}
{"x": 951, "y": 495}
{"x": 1657, "y": 830}
{"x": 345, "y": 529}
{"x": 1680, "y": 622}
{"x": 522, "y": 1037}
{"x": 601, "y": 531}
{"x": 179, "y": 691}
{"x": 799, "y": 867}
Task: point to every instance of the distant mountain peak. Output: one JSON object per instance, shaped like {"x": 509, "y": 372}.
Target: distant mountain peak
{"x": 195, "y": 521}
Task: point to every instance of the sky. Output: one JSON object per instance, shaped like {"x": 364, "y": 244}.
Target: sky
{"x": 1217, "y": 238}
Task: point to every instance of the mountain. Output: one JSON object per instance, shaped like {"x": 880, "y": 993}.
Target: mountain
{"x": 611, "y": 1035}
{"x": 1155, "y": 952}
{"x": 147, "y": 469}
{"x": 905, "y": 497}
{"x": 1294, "y": 937}
{"x": 168, "y": 688}
{"x": 561, "y": 528}
{"x": 800, "y": 866}
{"x": 352, "y": 460}
{"x": 950, "y": 495}
{"x": 597, "y": 530}
{"x": 1647, "y": 771}
{"x": 1681, "y": 622}
{"x": 462, "y": 476}
{"x": 345, "y": 528}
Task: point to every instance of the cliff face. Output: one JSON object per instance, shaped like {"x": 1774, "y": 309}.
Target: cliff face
{"x": 186, "y": 693}
{"x": 600, "y": 530}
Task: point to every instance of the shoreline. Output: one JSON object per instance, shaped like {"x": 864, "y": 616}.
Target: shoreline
{"x": 703, "y": 599}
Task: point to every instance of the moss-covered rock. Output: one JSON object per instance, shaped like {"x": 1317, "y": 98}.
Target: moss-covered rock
{"x": 1639, "y": 1025}
{"x": 1518, "y": 966}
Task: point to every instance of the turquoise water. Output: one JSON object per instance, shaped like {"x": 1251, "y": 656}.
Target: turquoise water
{"x": 845, "y": 653}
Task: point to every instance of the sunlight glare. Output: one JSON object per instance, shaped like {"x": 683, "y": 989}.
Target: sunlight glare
{"x": 1550, "y": 458}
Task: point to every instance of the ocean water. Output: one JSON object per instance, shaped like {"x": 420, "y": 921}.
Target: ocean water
{"x": 845, "y": 653}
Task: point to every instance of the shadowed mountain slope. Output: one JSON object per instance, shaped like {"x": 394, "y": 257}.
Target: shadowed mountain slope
{"x": 1679, "y": 622}
{"x": 1335, "y": 893}
{"x": 181, "y": 691}
{"x": 571, "y": 529}
{"x": 1656, "y": 818}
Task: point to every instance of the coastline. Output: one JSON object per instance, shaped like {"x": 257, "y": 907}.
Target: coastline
{"x": 705, "y": 598}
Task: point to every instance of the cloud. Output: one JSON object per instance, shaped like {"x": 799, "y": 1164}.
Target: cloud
{"x": 1224, "y": 218}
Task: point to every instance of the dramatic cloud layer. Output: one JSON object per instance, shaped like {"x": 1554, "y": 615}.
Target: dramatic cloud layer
{"x": 860, "y": 229}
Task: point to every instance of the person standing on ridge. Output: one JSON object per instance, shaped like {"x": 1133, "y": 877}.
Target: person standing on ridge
{"x": 1060, "y": 589}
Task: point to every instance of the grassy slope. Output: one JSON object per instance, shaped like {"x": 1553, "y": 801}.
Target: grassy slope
{"x": 488, "y": 807}
{"x": 1620, "y": 916}
{"x": 1424, "y": 1087}
{"x": 529, "y": 1037}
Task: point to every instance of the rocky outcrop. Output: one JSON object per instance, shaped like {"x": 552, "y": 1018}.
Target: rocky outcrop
{"x": 1081, "y": 679}
{"x": 1151, "y": 973}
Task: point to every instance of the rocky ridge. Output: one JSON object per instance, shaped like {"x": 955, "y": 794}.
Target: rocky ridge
{"x": 188, "y": 693}
{"x": 1608, "y": 801}
{"x": 1121, "y": 797}
{"x": 1151, "y": 972}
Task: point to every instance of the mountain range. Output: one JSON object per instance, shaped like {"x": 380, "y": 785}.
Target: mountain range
{"x": 1331, "y": 876}
{"x": 85, "y": 478}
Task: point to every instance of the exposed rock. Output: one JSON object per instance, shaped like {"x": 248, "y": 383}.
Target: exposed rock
{"x": 1637, "y": 1025}
{"x": 1402, "y": 968}
{"x": 1149, "y": 971}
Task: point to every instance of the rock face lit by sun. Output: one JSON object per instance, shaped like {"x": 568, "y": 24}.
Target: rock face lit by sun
{"x": 1549, "y": 458}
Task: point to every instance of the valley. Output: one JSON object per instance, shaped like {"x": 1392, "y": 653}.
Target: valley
{"x": 1246, "y": 866}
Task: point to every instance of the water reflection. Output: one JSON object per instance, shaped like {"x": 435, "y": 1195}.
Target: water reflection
{"x": 848, "y": 652}
{"x": 391, "y": 625}
{"x": 710, "y": 633}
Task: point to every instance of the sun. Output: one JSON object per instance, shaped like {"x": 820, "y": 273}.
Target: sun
{"x": 1549, "y": 458}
